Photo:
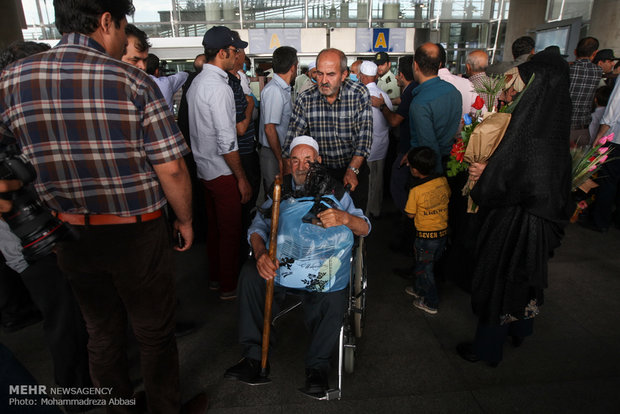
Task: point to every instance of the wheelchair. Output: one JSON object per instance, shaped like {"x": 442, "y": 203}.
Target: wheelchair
{"x": 353, "y": 322}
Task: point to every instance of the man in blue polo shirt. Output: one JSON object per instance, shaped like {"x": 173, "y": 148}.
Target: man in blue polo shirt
{"x": 435, "y": 111}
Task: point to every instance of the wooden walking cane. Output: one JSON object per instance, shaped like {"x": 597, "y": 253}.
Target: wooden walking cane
{"x": 273, "y": 244}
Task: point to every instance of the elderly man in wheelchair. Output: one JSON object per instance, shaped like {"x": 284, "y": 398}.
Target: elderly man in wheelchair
{"x": 317, "y": 224}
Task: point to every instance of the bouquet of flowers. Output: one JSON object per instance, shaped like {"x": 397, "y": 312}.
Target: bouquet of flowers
{"x": 587, "y": 160}
{"x": 456, "y": 162}
{"x": 479, "y": 141}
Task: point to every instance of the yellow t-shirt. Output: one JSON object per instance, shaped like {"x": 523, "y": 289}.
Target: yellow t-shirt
{"x": 428, "y": 203}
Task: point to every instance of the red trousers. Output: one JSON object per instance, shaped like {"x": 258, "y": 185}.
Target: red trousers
{"x": 223, "y": 230}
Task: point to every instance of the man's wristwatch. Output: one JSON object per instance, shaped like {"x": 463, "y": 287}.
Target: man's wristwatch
{"x": 355, "y": 170}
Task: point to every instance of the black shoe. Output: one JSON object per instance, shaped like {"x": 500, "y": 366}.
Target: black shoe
{"x": 404, "y": 272}
{"x": 247, "y": 370}
{"x": 198, "y": 404}
{"x": 184, "y": 328}
{"x": 22, "y": 321}
{"x": 587, "y": 224}
{"x": 316, "y": 382}
{"x": 517, "y": 341}
{"x": 466, "y": 351}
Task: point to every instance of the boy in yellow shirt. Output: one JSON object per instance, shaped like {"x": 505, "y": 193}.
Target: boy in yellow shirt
{"x": 428, "y": 206}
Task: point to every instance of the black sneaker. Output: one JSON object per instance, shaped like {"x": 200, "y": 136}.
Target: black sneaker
{"x": 247, "y": 370}
{"x": 316, "y": 382}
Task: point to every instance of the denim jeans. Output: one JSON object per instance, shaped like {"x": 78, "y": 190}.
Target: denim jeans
{"x": 427, "y": 252}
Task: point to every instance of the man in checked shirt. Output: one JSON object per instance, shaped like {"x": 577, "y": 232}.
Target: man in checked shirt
{"x": 337, "y": 113}
{"x": 584, "y": 79}
{"x": 108, "y": 157}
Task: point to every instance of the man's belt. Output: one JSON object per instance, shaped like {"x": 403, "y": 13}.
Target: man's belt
{"x": 431, "y": 234}
{"x": 105, "y": 219}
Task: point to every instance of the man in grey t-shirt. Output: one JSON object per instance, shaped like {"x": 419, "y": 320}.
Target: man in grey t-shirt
{"x": 276, "y": 109}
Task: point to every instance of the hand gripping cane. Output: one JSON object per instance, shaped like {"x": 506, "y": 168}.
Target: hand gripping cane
{"x": 273, "y": 244}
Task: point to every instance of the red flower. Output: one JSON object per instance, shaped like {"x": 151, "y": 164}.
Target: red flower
{"x": 478, "y": 103}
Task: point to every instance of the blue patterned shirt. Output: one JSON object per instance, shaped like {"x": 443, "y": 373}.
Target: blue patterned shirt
{"x": 342, "y": 129}
{"x": 246, "y": 142}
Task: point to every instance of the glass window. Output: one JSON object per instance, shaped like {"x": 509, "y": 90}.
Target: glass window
{"x": 568, "y": 9}
{"x": 261, "y": 15}
{"x": 463, "y": 9}
{"x": 464, "y": 35}
{"x": 337, "y": 13}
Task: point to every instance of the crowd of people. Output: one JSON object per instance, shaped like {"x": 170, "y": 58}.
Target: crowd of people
{"x": 94, "y": 115}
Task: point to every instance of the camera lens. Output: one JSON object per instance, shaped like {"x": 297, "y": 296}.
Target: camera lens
{"x": 35, "y": 226}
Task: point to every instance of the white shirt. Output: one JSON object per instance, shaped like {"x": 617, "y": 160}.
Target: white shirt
{"x": 611, "y": 116}
{"x": 595, "y": 124}
{"x": 169, "y": 85}
{"x": 211, "y": 111}
{"x": 464, "y": 86}
{"x": 380, "y": 126}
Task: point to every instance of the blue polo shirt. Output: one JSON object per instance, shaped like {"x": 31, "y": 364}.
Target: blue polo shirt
{"x": 434, "y": 117}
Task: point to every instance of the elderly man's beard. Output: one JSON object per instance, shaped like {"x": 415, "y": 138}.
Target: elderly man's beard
{"x": 300, "y": 176}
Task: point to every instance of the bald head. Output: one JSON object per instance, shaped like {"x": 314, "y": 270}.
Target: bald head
{"x": 333, "y": 55}
{"x": 477, "y": 61}
{"x": 427, "y": 59}
{"x": 355, "y": 67}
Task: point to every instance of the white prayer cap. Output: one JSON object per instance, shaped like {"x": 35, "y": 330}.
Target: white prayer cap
{"x": 312, "y": 65}
{"x": 304, "y": 139}
{"x": 368, "y": 68}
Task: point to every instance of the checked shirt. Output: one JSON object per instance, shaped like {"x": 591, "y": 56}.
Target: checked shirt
{"x": 92, "y": 126}
{"x": 584, "y": 78}
{"x": 342, "y": 130}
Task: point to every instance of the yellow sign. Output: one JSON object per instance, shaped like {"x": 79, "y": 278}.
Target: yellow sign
{"x": 275, "y": 42}
{"x": 380, "y": 42}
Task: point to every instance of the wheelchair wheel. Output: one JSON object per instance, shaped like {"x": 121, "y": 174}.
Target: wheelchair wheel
{"x": 359, "y": 289}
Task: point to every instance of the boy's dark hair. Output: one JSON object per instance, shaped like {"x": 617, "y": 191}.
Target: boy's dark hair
{"x": 602, "y": 95}
{"x": 152, "y": 63}
{"x": 283, "y": 59}
{"x": 427, "y": 62}
{"x": 586, "y": 47}
{"x": 405, "y": 66}
{"x": 143, "y": 43}
{"x": 422, "y": 159}
{"x": 82, "y": 16}
{"x": 19, "y": 50}
{"x": 522, "y": 46}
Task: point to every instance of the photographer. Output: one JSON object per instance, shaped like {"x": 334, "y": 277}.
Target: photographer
{"x": 108, "y": 157}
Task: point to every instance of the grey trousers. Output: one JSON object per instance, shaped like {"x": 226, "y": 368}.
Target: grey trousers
{"x": 375, "y": 187}
{"x": 268, "y": 167}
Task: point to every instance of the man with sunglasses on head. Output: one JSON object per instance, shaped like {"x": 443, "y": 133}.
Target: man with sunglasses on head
{"x": 212, "y": 120}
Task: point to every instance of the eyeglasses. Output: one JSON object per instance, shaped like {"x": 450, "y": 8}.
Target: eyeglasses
{"x": 234, "y": 49}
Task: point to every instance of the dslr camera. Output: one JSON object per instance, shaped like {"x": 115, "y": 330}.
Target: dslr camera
{"x": 31, "y": 221}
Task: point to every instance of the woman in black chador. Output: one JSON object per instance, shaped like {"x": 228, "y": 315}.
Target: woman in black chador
{"x": 524, "y": 199}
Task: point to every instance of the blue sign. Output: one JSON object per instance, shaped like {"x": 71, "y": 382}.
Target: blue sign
{"x": 381, "y": 40}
